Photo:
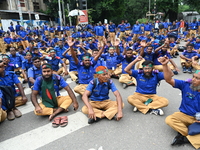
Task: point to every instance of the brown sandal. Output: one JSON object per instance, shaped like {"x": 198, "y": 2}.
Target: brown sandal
{"x": 64, "y": 121}
{"x": 56, "y": 122}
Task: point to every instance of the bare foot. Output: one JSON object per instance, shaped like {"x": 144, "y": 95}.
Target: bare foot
{"x": 66, "y": 110}
{"x": 51, "y": 117}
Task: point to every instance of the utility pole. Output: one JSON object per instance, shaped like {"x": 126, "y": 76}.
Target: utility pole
{"x": 60, "y": 13}
{"x": 149, "y": 8}
{"x": 29, "y": 13}
{"x": 63, "y": 8}
{"x": 20, "y": 12}
{"x": 70, "y": 22}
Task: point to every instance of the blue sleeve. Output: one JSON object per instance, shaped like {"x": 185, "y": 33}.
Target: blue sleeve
{"x": 23, "y": 65}
{"x": 160, "y": 76}
{"x": 37, "y": 84}
{"x": 134, "y": 73}
{"x": 180, "y": 84}
{"x": 15, "y": 79}
{"x": 63, "y": 83}
{"x": 90, "y": 86}
{"x": 198, "y": 55}
{"x": 1, "y": 95}
{"x": 61, "y": 61}
{"x": 112, "y": 86}
{"x": 93, "y": 62}
{"x": 30, "y": 73}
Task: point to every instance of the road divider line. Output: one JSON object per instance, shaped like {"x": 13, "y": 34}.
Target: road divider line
{"x": 43, "y": 135}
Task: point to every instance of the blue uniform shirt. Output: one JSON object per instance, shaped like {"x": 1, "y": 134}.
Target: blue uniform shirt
{"x": 9, "y": 79}
{"x": 26, "y": 65}
{"x": 85, "y": 75}
{"x": 190, "y": 103}
{"x": 8, "y": 40}
{"x": 189, "y": 54}
{"x": 72, "y": 65}
{"x": 122, "y": 59}
{"x": 144, "y": 85}
{"x": 34, "y": 72}
{"x": 101, "y": 91}
{"x": 62, "y": 83}
{"x": 111, "y": 60}
{"x": 136, "y": 29}
{"x": 54, "y": 62}
{"x": 122, "y": 27}
{"x": 17, "y": 60}
{"x": 10, "y": 67}
{"x": 112, "y": 28}
{"x": 161, "y": 54}
{"x": 59, "y": 51}
{"x": 22, "y": 33}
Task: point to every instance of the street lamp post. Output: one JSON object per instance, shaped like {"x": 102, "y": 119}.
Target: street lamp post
{"x": 20, "y": 12}
{"x": 60, "y": 14}
{"x": 149, "y": 8}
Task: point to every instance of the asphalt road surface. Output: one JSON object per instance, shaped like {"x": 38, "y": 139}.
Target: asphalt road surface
{"x": 135, "y": 131}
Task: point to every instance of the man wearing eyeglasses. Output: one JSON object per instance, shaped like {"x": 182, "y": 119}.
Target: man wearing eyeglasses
{"x": 145, "y": 99}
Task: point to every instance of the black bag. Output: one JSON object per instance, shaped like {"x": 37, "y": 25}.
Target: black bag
{"x": 8, "y": 96}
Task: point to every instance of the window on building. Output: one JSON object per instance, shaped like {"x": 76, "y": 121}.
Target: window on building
{"x": 36, "y": 6}
{"x": 22, "y": 3}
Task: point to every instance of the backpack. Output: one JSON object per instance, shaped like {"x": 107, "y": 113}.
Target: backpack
{"x": 161, "y": 26}
{"x": 9, "y": 97}
{"x": 57, "y": 79}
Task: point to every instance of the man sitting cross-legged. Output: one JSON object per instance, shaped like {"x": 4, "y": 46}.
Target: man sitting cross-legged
{"x": 48, "y": 84}
{"x": 100, "y": 105}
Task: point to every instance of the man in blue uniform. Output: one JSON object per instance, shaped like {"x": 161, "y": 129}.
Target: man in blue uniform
{"x": 179, "y": 121}
{"x": 9, "y": 78}
{"x": 85, "y": 68}
{"x": 145, "y": 99}
{"x": 34, "y": 71}
{"x": 112, "y": 28}
{"x": 48, "y": 86}
{"x": 122, "y": 28}
{"x": 55, "y": 61}
{"x": 100, "y": 106}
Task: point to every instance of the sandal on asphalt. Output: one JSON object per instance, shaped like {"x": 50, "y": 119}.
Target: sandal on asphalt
{"x": 64, "y": 121}
{"x": 17, "y": 113}
{"x": 10, "y": 115}
{"x": 56, "y": 122}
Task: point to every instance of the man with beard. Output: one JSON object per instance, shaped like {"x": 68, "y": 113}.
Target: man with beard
{"x": 85, "y": 68}
{"x": 52, "y": 103}
{"x": 125, "y": 78}
{"x": 100, "y": 105}
{"x": 180, "y": 121}
{"x": 145, "y": 99}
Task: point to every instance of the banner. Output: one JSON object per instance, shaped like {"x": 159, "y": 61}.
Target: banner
{"x": 83, "y": 19}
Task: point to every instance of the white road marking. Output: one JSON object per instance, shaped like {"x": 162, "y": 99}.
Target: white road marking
{"x": 45, "y": 134}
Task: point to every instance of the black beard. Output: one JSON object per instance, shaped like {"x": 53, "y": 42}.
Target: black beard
{"x": 86, "y": 67}
{"x": 195, "y": 88}
{"x": 129, "y": 59}
{"x": 147, "y": 76}
{"x": 47, "y": 79}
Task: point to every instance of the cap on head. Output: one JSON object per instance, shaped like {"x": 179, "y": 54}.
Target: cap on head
{"x": 101, "y": 70}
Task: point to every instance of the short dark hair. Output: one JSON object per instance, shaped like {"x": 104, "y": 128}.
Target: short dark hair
{"x": 35, "y": 58}
{"x": 190, "y": 45}
{"x": 147, "y": 62}
{"x": 149, "y": 46}
{"x": 12, "y": 47}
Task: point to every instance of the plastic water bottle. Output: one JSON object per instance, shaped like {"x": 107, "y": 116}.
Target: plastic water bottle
{"x": 197, "y": 116}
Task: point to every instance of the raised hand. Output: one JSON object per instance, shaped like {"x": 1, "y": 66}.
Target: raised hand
{"x": 117, "y": 41}
{"x": 163, "y": 60}
{"x": 70, "y": 42}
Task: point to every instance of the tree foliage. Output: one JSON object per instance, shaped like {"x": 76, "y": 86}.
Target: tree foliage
{"x": 131, "y": 10}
